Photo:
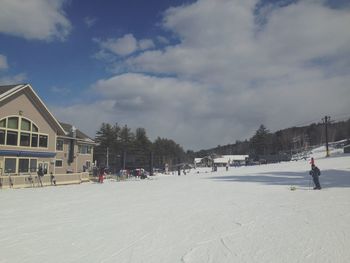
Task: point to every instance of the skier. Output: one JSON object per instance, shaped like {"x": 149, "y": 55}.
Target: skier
{"x": 315, "y": 173}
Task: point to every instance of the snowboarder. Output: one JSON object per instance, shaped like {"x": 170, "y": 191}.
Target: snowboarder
{"x": 315, "y": 173}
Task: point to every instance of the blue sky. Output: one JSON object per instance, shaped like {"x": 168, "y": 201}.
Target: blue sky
{"x": 200, "y": 72}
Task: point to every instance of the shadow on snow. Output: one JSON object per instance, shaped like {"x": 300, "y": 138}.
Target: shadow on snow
{"x": 328, "y": 179}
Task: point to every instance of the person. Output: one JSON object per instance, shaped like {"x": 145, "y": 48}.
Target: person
{"x": 40, "y": 174}
{"x": 226, "y": 167}
{"x": 312, "y": 161}
{"x": 101, "y": 175}
{"x": 53, "y": 179}
{"x": 315, "y": 173}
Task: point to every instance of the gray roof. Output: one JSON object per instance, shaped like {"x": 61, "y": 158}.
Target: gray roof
{"x": 6, "y": 88}
{"x": 68, "y": 128}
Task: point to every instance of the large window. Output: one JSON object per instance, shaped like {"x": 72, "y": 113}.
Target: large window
{"x": 25, "y": 139}
{"x": 19, "y": 131}
{"x": 11, "y": 138}
{"x": 10, "y": 165}
{"x": 25, "y": 165}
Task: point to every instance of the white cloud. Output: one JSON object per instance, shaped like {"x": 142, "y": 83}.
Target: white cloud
{"x": 90, "y": 21}
{"x": 3, "y": 62}
{"x": 122, "y": 46}
{"x": 16, "y": 79}
{"x": 146, "y": 44}
{"x": 34, "y": 19}
{"x": 233, "y": 74}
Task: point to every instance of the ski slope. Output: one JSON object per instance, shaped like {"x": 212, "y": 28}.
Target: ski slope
{"x": 247, "y": 214}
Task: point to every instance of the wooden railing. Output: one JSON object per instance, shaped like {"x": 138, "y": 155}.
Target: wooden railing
{"x": 23, "y": 181}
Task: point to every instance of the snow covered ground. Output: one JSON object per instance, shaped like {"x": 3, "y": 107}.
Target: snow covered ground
{"x": 248, "y": 214}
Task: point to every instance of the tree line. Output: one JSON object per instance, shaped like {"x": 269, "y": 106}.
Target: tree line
{"x": 118, "y": 147}
{"x": 121, "y": 148}
{"x": 287, "y": 141}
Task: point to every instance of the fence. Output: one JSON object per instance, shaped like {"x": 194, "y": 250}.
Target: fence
{"x": 23, "y": 181}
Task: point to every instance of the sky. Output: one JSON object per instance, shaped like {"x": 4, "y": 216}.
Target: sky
{"x": 203, "y": 73}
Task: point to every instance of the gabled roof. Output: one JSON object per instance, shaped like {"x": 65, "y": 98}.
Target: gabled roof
{"x": 10, "y": 90}
{"x": 79, "y": 134}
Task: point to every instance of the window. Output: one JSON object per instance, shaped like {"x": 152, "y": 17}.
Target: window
{"x": 11, "y": 138}
{"x": 33, "y": 165}
{"x": 43, "y": 141}
{"x": 59, "y": 145}
{"x": 3, "y": 123}
{"x": 84, "y": 149}
{"x": 12, "y": 123}
{"x": 34, "y": 140}
{"x": 23, "y": 165}
{"x": 10, "y": 165}
{"x": 19, "y": 131}
{"x": 25, "y": 125}
{"x": 2, "y": 136}
{"x": 59, "y": 163}
{"x": 34, "y": 128}
{"x": 24, "y": 139}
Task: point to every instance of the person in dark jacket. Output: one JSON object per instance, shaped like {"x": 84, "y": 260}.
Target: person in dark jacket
{"x": 315, "y": 173}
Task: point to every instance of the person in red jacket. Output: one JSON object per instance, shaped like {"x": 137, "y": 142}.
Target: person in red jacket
{"x": 101, "y": 175}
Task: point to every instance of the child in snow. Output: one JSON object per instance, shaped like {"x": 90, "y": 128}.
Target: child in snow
{"x": 315, "y": 173}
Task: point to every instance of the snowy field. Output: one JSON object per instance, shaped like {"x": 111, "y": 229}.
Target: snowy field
{"x": 248, "y": 214}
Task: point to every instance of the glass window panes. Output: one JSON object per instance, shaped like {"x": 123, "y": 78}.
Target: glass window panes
{"x": 59, "y": 145}
{"x": 58, "y": 163}
{"x": 10, "y": 165}
{"x": 2, "y": 136}
{"x": 12, "y": 123}
{"x": 25, "y": 125}
{"x": 3, "y": 123}
{"x": 34, "y": 128}
{"x": 33, "y": 164}
{"x": 11, "y": 138}
{"x": 43, "y": 141}
{"x": 25, "y": 139}
{"x": 84, "y": 149}
{"x": 34, "y": 140}
{"x": 23, "y": 165}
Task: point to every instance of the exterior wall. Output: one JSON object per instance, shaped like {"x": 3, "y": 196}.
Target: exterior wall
{"x": 79, "y": 159}
{"x": 21, "y": 106}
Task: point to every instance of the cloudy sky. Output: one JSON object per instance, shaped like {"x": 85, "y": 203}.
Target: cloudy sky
{"x": 202, "y": 73}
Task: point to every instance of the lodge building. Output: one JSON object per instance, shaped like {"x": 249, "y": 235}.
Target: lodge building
{"x": 31, "y": 137}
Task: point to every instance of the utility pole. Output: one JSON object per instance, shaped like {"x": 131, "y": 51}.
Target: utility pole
{"x": 326, "y": 121}
{"x": 151, "y": 163}
{"x": 107, "y": 157}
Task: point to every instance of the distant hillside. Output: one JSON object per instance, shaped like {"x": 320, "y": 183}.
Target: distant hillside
{"x": 288, "y": 140}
